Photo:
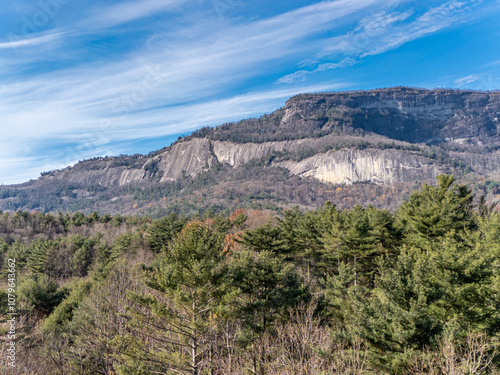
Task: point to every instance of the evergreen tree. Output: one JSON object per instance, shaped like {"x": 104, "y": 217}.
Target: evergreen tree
{"x": 359, "y": 237}
{"x": 303, "y": 237}
{"x": 261, "y": 290}
{"x": 264, "y": 238}
{"x": 174, "y": 319}
{"x": 416, "y": 296}
{"x": 39, "y": 294}
{"x": 434, "y": 211}
{"x": 37, "y": 256}
{"x": 162, "y": 232}
{"x": 92, "y": 318}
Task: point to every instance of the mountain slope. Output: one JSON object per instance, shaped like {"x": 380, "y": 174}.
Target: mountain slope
{"x": 389, "y": 140}
{"x": 406, "y": 114}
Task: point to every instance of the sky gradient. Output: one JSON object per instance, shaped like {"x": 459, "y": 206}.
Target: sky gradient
{"x": 94, "y": 78}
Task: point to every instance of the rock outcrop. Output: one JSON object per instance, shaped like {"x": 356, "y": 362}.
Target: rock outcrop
{"x": 378, "y": 166}
{"x": 406, "y": 114}
{"x": 187, "y": 159}
{"x": 388, "y": 136}
{"x": 400, "y": 114}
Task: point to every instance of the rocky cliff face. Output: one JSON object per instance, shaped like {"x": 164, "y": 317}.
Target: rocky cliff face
{"x": 187, "y": 159}
{"x": 401, "y": 114}
{"x": 238, "y": 154}
{"x": 97, "y": 172}
{"x": 386, "y": 137}
{"x": 407, "y": 114}
{"x": 182, "y": 159}
{"x": 345, "y": 166}
{"x": 378, "y": 166}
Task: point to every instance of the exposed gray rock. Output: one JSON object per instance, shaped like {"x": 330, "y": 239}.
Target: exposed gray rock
{"x": 379, "y": 136}
{"x": 237, "y": 154}
{"x": 108, "y": 176}
{"x": 408, "y": 114}
{"x": 189, "y": 158}
{"x": 378, "y": 166}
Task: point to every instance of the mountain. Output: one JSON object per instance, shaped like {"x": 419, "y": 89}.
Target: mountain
{"x": 356, "y": 147}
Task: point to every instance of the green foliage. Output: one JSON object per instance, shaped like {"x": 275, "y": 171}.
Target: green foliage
{"x": 360, "y": 237}
{"x": 37, "y": 258}
{"x": 162, "y": 232}
{"x": 38, "y": 294}
{"x": 91, "y": 317}
{"x": 434, "y": 211}
{"x": 263, "y": 288}
{"x": 265, "y": 238}
{"x": 79, "y": 219}
{"x": 4, "y": 295}
{"x": 83, "y": 255}
{"x": 240, "y": 219}
{"x": 418, "y": 294}
{"x": 190, "y": 262}
{"x": 406, "y": 293}
{"x": 63, "y": 313}
{"x": 186, "y": 290}
{"x": 18, "y": 251}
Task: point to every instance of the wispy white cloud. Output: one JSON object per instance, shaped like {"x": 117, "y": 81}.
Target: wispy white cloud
{"x": 210, "y": 113}
{"x": 72, "y": 100}
{"x": 493, "y": 63}
{"x": 432, "y": 21}
{"x": 384, "y": 31}
{"x": 124, "y": 12}
{"x": 97, "y": 105}
{"x": 483, "y": 81}
{"x": 31, "y": 41}
{"x": 301, "y": 75}
{"x": 187, "y": 74}
{"x": 298, "y": 76}
{"x": 460, "y": 82}
{"x": 99, "y": 138}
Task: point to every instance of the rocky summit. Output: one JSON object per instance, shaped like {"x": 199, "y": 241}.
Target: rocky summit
{"x": 356, "y": 147}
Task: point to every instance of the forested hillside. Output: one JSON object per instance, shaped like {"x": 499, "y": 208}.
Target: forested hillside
{"x": 326, "y": 291}
{"x": 382, "y": 144}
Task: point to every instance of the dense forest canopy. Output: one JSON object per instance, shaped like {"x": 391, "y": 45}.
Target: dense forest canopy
{"x": 344, "y": 291}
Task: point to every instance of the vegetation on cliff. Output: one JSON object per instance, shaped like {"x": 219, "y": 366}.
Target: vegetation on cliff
{"x": 299, "y": 155}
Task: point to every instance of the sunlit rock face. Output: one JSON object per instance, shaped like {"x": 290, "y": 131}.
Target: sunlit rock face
{"x": 377, "y": 166}
{"x": 412, "y": 115}
{"x": 331, "y": 127}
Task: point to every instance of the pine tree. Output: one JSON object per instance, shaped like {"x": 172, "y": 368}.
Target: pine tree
{"x": 163, "y": 231}
{"x": 264, "y": 287}
{"x": 434, "y": 211}
{"x": 37, "y": 256}
{"x": 422, "y": 291}
{"x": 393, "y": 317}
{"x": 264, "y": 238}
{"x": 173, "y": 320}
{"x": 39, "y": 294}
{"x": 359, "y": 237}
{"x": 446, "y": 274}
{"x": 261, "y": 290}
{"x": 302, "y": 234}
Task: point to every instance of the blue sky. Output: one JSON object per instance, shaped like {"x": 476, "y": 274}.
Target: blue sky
{"x": 94, "y": 78}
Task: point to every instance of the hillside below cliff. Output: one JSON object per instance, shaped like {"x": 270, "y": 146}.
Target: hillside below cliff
{"x": 378, "y": 145}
